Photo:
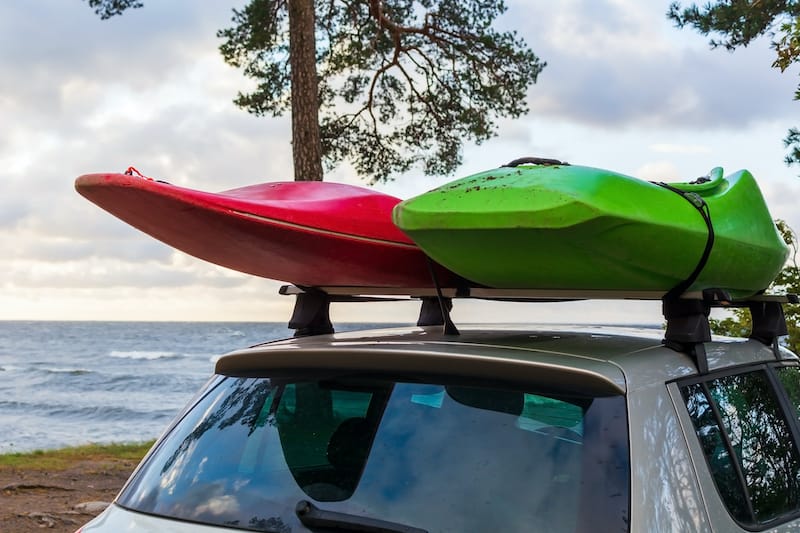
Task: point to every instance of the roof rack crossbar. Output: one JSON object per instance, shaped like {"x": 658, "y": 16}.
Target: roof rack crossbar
{"x": 311, "y": 314}
{"x": 687, "y": 316}
{"x": 714, "y": 297}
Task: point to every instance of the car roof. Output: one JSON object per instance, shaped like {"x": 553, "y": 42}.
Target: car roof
{"x": 595, "y": 360}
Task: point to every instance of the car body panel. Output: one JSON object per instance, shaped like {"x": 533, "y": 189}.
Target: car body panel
{"x": 665, "y": 495}
{"x": 580, "y": 358}
{"x": 671, "y": 487}
{"x": 119, "y": 520}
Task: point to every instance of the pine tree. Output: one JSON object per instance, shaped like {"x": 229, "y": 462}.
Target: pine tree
{"x": 788, "y": 281}
{"x": 384, "y": 84}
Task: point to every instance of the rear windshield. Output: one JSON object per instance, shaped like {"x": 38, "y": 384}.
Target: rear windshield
{"x": 280, "y": 455}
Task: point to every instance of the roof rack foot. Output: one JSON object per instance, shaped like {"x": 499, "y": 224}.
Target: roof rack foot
{"x": 688, "y": 328}
{"x": 311, "y": 314}
{"x": 430, "y": 313}
{"x": 769, "y": 323}
{"x": 436, "y": 312}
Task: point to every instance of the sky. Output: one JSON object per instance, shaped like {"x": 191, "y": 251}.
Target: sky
{"x": 623, "y": 89}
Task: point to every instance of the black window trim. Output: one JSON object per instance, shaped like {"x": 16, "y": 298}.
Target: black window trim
{"x": 789, "y": 411}
{"x": 726, "y": 440}
{"x": 770, "y": 369}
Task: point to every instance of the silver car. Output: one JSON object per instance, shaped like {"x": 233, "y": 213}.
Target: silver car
{"x": 573, "y": 429}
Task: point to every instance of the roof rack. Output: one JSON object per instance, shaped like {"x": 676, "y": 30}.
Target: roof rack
{"x": 687, "y": 316}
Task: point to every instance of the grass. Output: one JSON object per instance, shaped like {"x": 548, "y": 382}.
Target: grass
{"x": 51, "y": 460}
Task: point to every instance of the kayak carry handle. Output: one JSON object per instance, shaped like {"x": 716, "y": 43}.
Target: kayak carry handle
{"x": 536, "y": 161}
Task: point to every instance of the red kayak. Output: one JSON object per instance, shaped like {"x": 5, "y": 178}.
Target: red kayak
{"x": 308, "y": 233}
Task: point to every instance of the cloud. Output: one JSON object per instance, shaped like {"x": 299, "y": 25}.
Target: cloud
{"x": 12, "y": 211}
{"x": 659, "y": 171}
{"x": 668, "y": 148}
{"x": 191, "y": 302}
{"x": 53, "y": 38}
{"x": 149, "y": 89}
{"x": 48, "y": 248}
{"x": 783, "y": 198}
{"x": 616, "y": 64}
{"x": 99, "y": 272}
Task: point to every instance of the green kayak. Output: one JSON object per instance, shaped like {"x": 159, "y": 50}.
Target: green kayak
{"x": 559, "y": 226}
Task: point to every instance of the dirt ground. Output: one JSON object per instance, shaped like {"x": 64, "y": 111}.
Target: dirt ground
{"x": 63, "y": 500}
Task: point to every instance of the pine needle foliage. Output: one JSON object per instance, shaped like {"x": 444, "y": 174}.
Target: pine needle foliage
{"x": 400, "y": 84}
{"x": 740, "y": 323}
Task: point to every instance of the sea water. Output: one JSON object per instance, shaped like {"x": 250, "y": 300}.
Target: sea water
{"x": 71, "y": 383}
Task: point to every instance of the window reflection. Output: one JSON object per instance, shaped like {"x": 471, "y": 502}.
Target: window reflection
{"x": 748, "y": 444}
{"x": 438, "y": 457}
{"x": 203, "y": 471}
{"x": 716, "y": 452}
{"x": 790, "y": 379}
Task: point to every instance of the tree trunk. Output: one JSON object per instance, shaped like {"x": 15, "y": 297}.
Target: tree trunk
{"x": 306, "y": 146}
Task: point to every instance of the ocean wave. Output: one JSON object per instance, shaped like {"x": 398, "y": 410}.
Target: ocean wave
{"x": 16, "y": 405}
{"x": 150, "y": 408}
{"x": 68, "y": 371}
{"x": 105, "y": 412}
{"x": 149, "y": 355}
{"x": 151, "y": 383}
{"x": 67, "y": 383}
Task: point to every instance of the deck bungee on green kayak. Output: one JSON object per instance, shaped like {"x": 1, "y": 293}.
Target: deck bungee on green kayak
{"x": 558, "y": 226}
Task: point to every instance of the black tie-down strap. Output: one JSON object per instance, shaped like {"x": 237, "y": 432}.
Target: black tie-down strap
{"x": 687, "y": 320}
{"x": 702, "y": 207}
{"x": 429, "y": 314}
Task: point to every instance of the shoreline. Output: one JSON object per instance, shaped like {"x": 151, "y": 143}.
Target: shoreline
{"x": 56, "y": 457}
{"x": 62, "y": 489}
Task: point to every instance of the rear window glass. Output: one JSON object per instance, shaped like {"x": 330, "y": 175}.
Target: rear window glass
{"x": 438, "y": 457}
